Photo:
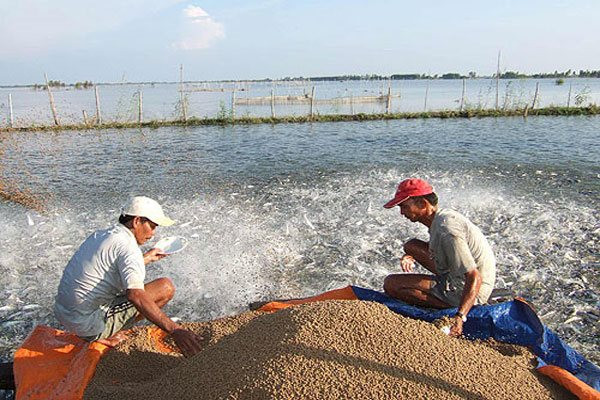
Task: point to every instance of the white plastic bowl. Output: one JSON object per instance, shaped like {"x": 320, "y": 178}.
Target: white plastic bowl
{"x": 172, "y": 244}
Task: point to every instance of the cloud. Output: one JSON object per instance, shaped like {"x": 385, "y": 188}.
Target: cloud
{"x": 199, "y": 30}
{"x": 37, "y": 26}
{"x": 195, "y": 12}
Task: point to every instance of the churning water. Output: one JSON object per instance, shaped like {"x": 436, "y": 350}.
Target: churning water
{"x": 296, "y": 209}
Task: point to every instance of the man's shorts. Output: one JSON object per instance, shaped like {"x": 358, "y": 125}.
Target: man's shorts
{"x": 452, "y": 295}
{"x": 120, "y": 315}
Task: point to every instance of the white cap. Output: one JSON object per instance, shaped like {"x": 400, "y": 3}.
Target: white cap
{"x": 142, "y": 206}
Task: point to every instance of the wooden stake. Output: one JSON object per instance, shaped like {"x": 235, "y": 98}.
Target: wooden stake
{"x": 140, "y": 107}
{"x": 526, "y": 110}
{"x": 52, "y": 106}
{"x": 498, "y": 81}
{"x": 388, "y": 106}
{"x": 181, "y": 95}
{"x": 568, "y": 100}
{"x": 10, "y": 111}
{"x": 272, "y": 103}
{"x": 426, "y": 94}
{"x": 506, "y": 91}
{"x": 85, "y": 118}
{"x": 399, "y": 95}
{"x": 312, "y": 101}
{"x": 233, "y": 104}
{"x": 98, "y": 114}
{"x": 462, "y": 98}
{"x": 351, "y": 103}
{"x": 535, "y": 96}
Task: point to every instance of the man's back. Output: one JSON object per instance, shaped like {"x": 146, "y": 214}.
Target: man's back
{"x": 106, "y": 264}
{"x": 449, "y": 225}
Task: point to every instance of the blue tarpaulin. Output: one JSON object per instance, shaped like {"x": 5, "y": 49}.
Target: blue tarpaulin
{"x": 512, "y": 322}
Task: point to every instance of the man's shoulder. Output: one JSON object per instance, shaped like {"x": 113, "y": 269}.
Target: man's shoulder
{"x": 115, "y": 235}
{"x": 450, "y": 221}
{"x": 449, "y": 216}
{"x": 119, "y": 232}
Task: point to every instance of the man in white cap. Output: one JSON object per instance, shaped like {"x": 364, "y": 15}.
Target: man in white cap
{"x": 458, "y": 255}
{"x": 102, "y": 290}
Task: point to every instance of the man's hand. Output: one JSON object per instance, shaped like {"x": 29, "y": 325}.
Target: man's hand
{"x": 188, "y": 342}
{"x": 457, "y": 326}
{"x": 153, "y": 255}
{"x": 407, "y": 263}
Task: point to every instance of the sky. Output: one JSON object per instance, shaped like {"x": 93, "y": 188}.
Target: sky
{"x": 147, "y": 40}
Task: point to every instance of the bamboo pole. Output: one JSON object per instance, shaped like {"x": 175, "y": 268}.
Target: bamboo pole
{"x": 505, "y": 103}
{"x": 85, "y": 117}
{"x": 462, "y": 97}
{"x": 140, "y": 107}
{"x": 11, "y": 120}
{"x": 233, "y": 104}
{"x": 272, "y": 103}
{"x": 526, "y": 110}
{"x": 52, "y": 106}
{"x": 426, "y": 95}
{"x": 351, "y": 103}
{"x": 498, "y": 81}
{"x": 388, "y": 106}
{"x": 569, "y": 98}
{"x": 535, "y": 96}
{"x": 399, "y": 95}
{"x": 312, "y": 101}
{"x": 98, "y": 114}
{"x": 181, "y": 95}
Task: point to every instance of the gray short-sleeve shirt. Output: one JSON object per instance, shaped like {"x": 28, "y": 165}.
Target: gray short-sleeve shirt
{"x": 106, "y": 264}
{"x": 457, "y": 246}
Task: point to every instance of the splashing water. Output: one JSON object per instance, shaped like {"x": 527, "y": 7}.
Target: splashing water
{"x": 309, "y": 225}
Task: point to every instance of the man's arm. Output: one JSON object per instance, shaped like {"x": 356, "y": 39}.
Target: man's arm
{"x": 153, "y": 255}
{"x": 472, "y": 285}
{"x": 187, "y": 341}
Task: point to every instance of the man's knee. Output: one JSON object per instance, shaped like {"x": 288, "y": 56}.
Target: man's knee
{"x": 166, "y": 288}
{"x": 413, "y": 246}
{"x": 390, "y": 285}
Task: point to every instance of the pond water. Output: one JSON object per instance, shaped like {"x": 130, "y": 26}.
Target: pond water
{"x": 296, "y": 209}
{"x": 211, "y": 99}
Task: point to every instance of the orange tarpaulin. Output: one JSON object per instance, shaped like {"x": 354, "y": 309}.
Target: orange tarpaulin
{"x": 52, "y": 364}
{"x": 337, "y": 294}
{"x": 570, "y": 382}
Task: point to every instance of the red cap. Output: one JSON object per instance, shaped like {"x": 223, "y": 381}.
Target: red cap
{"x": 409, "y": 188}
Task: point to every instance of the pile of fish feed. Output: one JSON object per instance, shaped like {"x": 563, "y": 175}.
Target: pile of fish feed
{"x": 324, "y": 350}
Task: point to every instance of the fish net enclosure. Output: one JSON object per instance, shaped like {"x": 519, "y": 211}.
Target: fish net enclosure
{"x": 332, "y": 349}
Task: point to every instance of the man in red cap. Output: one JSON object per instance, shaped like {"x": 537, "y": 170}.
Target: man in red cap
{"x": 458, "y": 255}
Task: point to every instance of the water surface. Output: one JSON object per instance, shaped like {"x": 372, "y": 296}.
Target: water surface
{"x": 296, "y": 209}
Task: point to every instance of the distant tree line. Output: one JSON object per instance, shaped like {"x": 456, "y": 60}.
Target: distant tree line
{"x": 556, "y": 74}
{"x": 367, "y": 77}
{"x": 83, "y": 85}
{"x": 449, "y": 75}
{"x": 59, "y": 84}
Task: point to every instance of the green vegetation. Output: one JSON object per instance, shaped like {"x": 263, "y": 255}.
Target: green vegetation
{"x": 225, "y": 118}
{"x": 583, "y": 96}
{"x": 59, "y": 84}
{"x": 450, "y": 75}
{"x": 84, "y": 85}
{"x": 51, "y": 83}
{"x": 369, "y": 77}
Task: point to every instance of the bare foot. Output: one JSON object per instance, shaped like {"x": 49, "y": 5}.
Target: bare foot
{"x": 114, "y": 339}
